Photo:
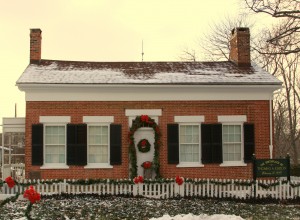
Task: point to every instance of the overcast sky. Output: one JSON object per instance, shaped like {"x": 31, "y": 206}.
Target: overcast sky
{"x": 99, "y": 30}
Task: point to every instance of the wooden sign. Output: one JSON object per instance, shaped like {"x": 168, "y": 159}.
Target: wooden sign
{"x": 271, "y": 168}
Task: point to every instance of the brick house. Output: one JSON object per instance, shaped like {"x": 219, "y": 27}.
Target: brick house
{"x": 195, "y": 119}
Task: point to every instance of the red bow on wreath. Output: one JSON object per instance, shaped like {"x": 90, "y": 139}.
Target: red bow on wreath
{"x": 143, "y": 143}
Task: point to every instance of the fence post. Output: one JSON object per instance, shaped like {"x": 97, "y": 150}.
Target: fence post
{"x": 176, "y": 189}
{"x": 254, "y": 174}
{"x": 140, "y": 188}
{"x": 64, "y": 186}
{"x": 181, "y": 189}
{"x": 134, "y": 190}
{"x": 288, "y": 158}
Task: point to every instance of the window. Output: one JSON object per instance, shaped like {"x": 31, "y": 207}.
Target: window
{"x": 189, "y": 143}
{"x": 232, "y": 142}
{"x": 98, "y": 144}
{"x": 55, "y": 144}
{"x": 184, "y": 141}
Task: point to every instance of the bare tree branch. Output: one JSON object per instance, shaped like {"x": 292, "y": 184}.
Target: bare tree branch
{"x": 288, "y": 11}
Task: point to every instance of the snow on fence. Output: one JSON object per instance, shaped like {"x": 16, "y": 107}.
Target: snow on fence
{"x": 277, "y": 189}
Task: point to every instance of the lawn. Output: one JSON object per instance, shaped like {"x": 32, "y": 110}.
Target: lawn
{"x": 96, "y": 207}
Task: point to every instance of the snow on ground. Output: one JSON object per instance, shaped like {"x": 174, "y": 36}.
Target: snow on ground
{"x": 199, "y": 217}
{"x": 187, "y": 217}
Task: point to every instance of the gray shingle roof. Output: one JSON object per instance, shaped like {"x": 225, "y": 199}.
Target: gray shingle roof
{"x": 202, "y": 73}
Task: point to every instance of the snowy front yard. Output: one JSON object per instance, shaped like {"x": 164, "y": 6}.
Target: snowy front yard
{"x": 95, "y": 207}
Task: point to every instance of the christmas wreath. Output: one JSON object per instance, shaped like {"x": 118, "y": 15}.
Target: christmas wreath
{"x": 138, "y": 122}
{"x": 144, "y": 146}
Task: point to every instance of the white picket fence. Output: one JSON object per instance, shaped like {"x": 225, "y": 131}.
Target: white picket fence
{"x": 208, "y": 188}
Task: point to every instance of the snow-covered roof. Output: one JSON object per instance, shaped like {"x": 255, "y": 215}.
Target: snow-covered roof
{"x": 73, "y": 72}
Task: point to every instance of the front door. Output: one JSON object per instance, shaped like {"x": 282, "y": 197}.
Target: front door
{"x": 140, "y": 134}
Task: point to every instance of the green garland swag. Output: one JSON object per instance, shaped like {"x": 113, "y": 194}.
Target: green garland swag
{"x": 147, "y": 181}
{"x": 10, "y": 199}
{"x": 138, "y": 122}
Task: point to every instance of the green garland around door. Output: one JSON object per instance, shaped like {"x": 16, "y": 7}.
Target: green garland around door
{"x": 138, "y": 122}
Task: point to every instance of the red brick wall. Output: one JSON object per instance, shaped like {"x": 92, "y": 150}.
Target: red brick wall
{"x": 257, "y": 112}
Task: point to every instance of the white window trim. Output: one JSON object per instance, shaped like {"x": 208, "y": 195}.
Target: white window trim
{"x": 98, "y": 119}
{"x": 98, "y": 165}
{"x": 54, "y": 165}
{"x": 189, "y": 119}
{"x": 55, "y": 119}
{"x": 152, "y": 113}
{"x": 232, "y": 118}
{"x": 149, "y": 112}
{"x": 191, "y": 164}
{"x": 234, "y": 163}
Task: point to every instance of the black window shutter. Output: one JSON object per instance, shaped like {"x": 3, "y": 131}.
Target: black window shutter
{"x": 115, "y": 144}
{"x": 173, "y": 143}
{"x": 249, "y": 142}
{"x": 37, "y": 144}
{"x": 217, "y": 149}
{"x": 211, "y": 143}
{"x": 206, "y": 149}
{"x": 77, "y": 144}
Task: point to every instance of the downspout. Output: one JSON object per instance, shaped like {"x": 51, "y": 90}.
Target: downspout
{"x": 271, "y": 122}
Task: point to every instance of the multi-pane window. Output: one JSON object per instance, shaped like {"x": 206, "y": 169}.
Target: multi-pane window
{"x": 232, "y": 142}
{"x": 189, "y": 143}
{"x": 55, "y": 144}
{"x": 98, "y": 144}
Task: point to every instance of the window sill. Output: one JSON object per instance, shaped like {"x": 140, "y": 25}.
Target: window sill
{"x": 233, "y": 164}
{"x": 98, "y": 166}
{"x": 190, "y": 165}
{"x": 54, "y": 167}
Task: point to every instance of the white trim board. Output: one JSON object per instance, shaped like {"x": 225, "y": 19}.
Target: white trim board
{"x": 98, "y": 119}
{"x": 138, "y": 112}
{"x": 145, "y": 93}
{"x": 55, "y": 119}
{"x": 232, "y": 118}
{"x": 187, "y": 119}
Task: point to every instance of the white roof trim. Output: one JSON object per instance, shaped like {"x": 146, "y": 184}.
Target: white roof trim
{"x": 142, "y": 92}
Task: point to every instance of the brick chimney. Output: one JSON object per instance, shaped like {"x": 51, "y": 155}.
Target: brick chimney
{"x": 240, "y": 46}
{"x": 35, "y": 45}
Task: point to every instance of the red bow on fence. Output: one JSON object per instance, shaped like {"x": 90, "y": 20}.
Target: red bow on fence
{"x": 179, "y": 180}
{"x": 10, "y": 182}
{"x": 32, "y": 195}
